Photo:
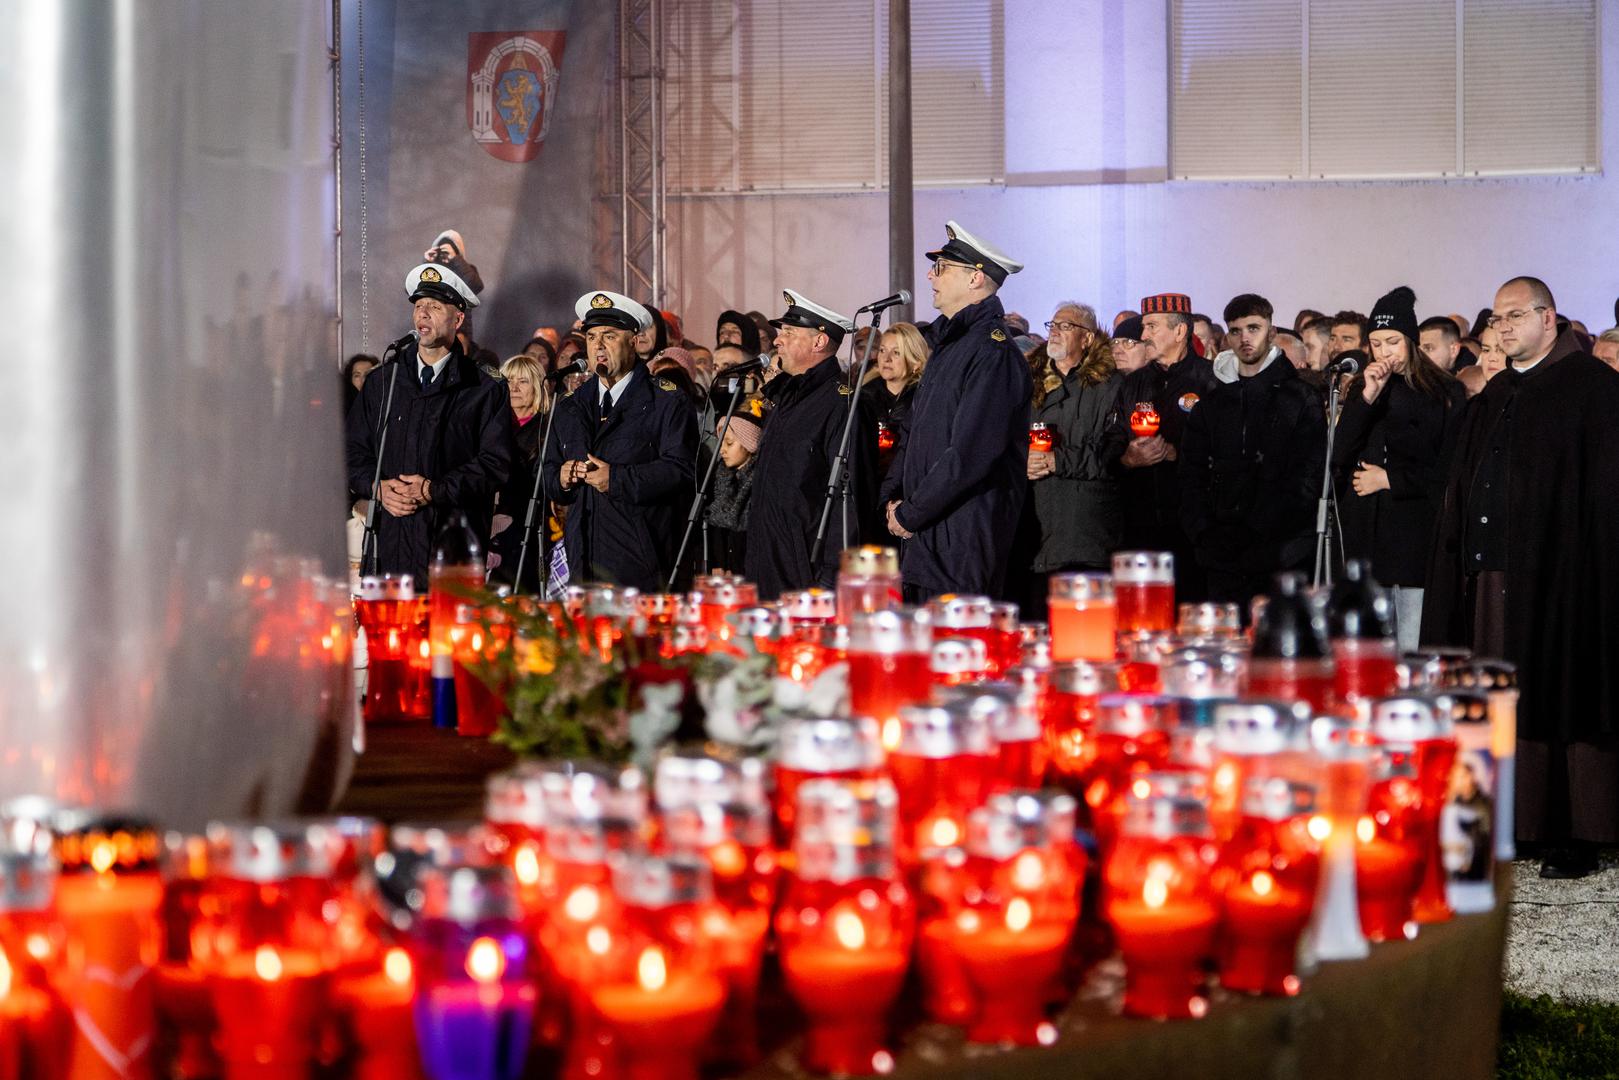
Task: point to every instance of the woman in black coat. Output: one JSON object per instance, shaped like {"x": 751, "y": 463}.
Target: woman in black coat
{"x": 530, "y": 394}
{"x": 1394, "y": 442}
{"x": 897, "y": 367}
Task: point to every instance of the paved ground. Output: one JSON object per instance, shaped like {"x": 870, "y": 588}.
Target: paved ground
{"x": 1563, "y": 938}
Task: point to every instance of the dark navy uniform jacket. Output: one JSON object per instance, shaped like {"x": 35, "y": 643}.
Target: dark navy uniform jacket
{"x": 962, "y": 465}
{"x": 629, "y": 535}
{"x": 790, "y": 475}
{"x": 457, "y": 433}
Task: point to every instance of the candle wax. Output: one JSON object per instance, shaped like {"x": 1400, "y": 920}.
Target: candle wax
{"x": 1145, "y": 605}
{"x": 880, "y": 683}
{"x": 113, "y": 921}
{"x": 1386, "y": 877}
{"x": 472, "y": 1032}
{"x": 1260, "y": 936}
{"x": 659, "y": 1032}
{"x": 1011, "y": 972}
{"x": 270, "y": 1021}
{"x": 847, "y": 994}
{"x": 478, "y": 709}
{"x": 378, "y": 1010}
{"x": 1082, "y": 630}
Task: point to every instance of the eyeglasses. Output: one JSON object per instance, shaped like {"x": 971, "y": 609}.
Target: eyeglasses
{"x": 940, "y": 265}
{"x": 1495, "y": 322}
{"x": 1065, "y": 326}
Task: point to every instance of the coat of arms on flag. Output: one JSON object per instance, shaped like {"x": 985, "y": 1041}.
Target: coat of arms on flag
{"x": 512, "y": 79}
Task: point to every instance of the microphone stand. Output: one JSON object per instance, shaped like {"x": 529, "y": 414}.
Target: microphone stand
{"x": 1329, "y": 498}
{"x": 368, "y": 545}
{"x": 701, "y": 495}
{"x": 840, "y": 463}
{"x": 534, "y": 498}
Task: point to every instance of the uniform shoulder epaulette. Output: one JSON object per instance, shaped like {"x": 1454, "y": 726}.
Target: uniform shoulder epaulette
{"x": 845, "y": 389}
{"x": 665, "y": 384}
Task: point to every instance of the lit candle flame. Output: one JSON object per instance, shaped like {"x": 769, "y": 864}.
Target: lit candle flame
{"x": 1018, "y": 915}
{"x": 1028, "y": 872}
{"x": 267, "y": 963}
{"x": 1365, "y": 830}
{"x": 39, "y": 946}
{"x": 1225, "y": 778}
{"x": 396, "y": 966}
{"x": 1319, "y": 828}
{"x": 727, "y": 859}
{"x": 1141, "y": 789}
{"x": 945, "y": 832}
{"x": 891, "y": 734}
{"x": 526, "y": 866}
{"x": 582, "y": 904}
{"x": 5, "y": 975}
{"x": 850, "y": 930}
{"x": 1155, "y": 893}
{"x": 652, "y": 970}
{"x": 1263, "y": 884}
{"x": 486, "y": 963}
{"x": 102, "y": 856}
{"x": 598, "y": 940}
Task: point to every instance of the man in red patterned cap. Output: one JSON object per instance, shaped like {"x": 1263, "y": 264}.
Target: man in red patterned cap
{"x": 1173, "y": 381}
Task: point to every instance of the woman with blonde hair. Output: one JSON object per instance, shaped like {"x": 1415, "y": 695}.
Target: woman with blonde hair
{"x": 530, "y": 396}
{"x": 896, "y": 369}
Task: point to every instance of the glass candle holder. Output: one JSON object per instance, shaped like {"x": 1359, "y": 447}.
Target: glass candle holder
{"x": 1499, "y": 680}
{"x": 1389, "y": 847}
{"x": 1270, "y": 869}
{"x": 376, "y": 1006}
{"x": 1291, "y": 660}
{"x": 1361, "y": 628}
{"x": 717, "y": 595}
{"x": 1141, "y": 655}
{"x": 266, "y": 944}
{"x": 1012, "y": 711}
{"x": 890, "y": 660}
{"x": 609, "y": 615}
{"x": 1023, "y": 871}
{"x": 1414, "y": 726}
{"x": 833, "y": 748}
{"x": 475, "y": 984}
{"x": 1005, "y": 638}
{"x": 1083, "y": 617}
{"x": 1076, "y": 687}
{"x": 887, "y": 438}
{"x": 35, "y": 1024}
{"x": 1041, "y": 438}
{"x": 1144, "y": 420}
{"x": 1144, "y": 590}
{"x": 956, "y": 616}
{"x": 1342, "y": 750}
{"x": 1255, "y": 739}
{"x": 1468, "y": 816}
{"x": 1160, "y": 899}
{"x": 413, "y": 847}
{"x": 846, "y": 924}
{"x": 1131, "y": 739}
{"x": 391, "y": 615}
{"x": 184, "y": 1009}
{"x": 808, "y": 607}
{"x": 941, "y": 765}
{"x": 655, "y": 990}
{"x": 868, "y": 581}
{"x": 108, "y": 897}
{"x": 514, "y": 809}
{"x": 452, "y": 613}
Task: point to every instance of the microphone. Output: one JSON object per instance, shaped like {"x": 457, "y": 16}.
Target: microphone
{"x": 899, "y": 298}
{"x": 401, "y": 343}
{"x": 576, "y": 368}
{"x": 1344, "y": 365}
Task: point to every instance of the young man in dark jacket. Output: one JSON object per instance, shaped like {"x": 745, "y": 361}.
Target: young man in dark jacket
{"x": 1251, "y": 464}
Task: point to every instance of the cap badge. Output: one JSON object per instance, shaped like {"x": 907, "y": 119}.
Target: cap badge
{"x": 997, "y": 334}
{"x": 949, "y": 232}
{"x": 429, "y": 274}
{"x": 601, "y": 300}
{"x": 789, "y": 298}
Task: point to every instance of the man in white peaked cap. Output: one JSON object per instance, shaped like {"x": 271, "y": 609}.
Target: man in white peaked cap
{"x": 956, "y": 487}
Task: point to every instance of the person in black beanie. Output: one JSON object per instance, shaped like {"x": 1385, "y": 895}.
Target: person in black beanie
{"x": 735, "y": 328}
{"x": 1394, "y": 440}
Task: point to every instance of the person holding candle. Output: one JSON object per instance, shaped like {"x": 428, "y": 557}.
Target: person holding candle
{"x": 1400, "y": 420}
{"x": 809, "y": 410}
{"x": 1174, "y": 380}
{"x": 1074, "y": 514}
{"x": 1523, "y": 568}
{"x": 622, "y": 455}
{"x": 902, "y": 354}
{"x": 957, "y": 482}
{"x": 1251, "y": 464}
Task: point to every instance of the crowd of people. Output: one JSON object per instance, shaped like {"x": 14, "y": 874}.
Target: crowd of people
{"x": 1473, "y": 462}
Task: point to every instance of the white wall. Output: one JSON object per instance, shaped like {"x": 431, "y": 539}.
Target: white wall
{"x": 1087, "y": 207}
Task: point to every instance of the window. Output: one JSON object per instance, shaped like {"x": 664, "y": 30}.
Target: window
{"x": 784, "y": 95}
{"x": 1368, "y": 89}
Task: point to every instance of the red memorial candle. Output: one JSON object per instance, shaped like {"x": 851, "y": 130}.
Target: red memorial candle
{"x": 1414, "y": 727}
{"x": 890, "y": 663}
{"x": 868, "y": 580}
{"x": 1272, "y": 866}
{"x": 1144, "y": 589}
{"x": 1083, "y": 617}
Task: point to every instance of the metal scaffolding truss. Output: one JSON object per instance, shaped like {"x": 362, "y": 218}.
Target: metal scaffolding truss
{"x": 641, "y": 177}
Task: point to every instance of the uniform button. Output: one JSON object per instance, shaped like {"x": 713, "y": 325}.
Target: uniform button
{"x": 1478, "y": 558}
{"x": 1483, "y": 520}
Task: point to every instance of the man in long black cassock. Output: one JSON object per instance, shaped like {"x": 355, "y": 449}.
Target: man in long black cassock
{"x": 449, "y": 444}
{"x": 1524, "y": 567}
{"x": 809, "y": 406}
{"x": 957, "y": 482}
{"x": 1174, "y": 380}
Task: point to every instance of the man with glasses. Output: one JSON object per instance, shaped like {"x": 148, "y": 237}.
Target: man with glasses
{"x": 1173, "y": 382}
{"x": 1524, "y": 567}
{"x": 956, "y": 486}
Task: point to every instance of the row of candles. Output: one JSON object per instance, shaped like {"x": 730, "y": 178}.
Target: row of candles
{"x": 1244, "y": 795}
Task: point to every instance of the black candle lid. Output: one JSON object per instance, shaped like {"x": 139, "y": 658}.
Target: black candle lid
{"x": 1289, "y": 627}
{"x": 1360, "y": 606}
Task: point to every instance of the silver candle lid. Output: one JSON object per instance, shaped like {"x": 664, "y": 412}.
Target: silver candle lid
{"x": 1012, "y": 709}
{"x": 1276, "y": 798}
{"x": 1463, "y": 706}
{"x": 1165, "y": 817}
{"x": 958, "y": 656}
{"x": 845, "y": 830}
{"x": 1143, "y": 568}
{"x": 27, "y": 881}
{"x": 891, "y": 631}
{"x": 958, "y": 612}
{"x": 943, "y": 731}
{"x": 469, "y": 895}
{"x": 1016, "y": 820}
{"x": 1258, "y": 727}
{"x": 515, "y": 797}
{"x": 1406, "y": 719}
{"x": 693, "y": 777}
{"x": 1003, "y": 616}
{"x": 830, "y": 744}
{"x": 809, "y": 605}
{"x": 1209, "y": 620}
{"x": 660, "y": 881}
{"x": 1132, "y": 715}
{"x": 725, "y": 590}
{"x": 275, "y": 851}
{"x": 1203, "y": 673}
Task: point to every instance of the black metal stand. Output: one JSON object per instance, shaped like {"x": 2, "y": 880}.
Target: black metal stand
{"x": 701, "y": 495}
{"x": 535, "y": 497}
{"x": 834, "y": 481}
{"x": 1326, "y": 507}
{"x": 368, "y": 545}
